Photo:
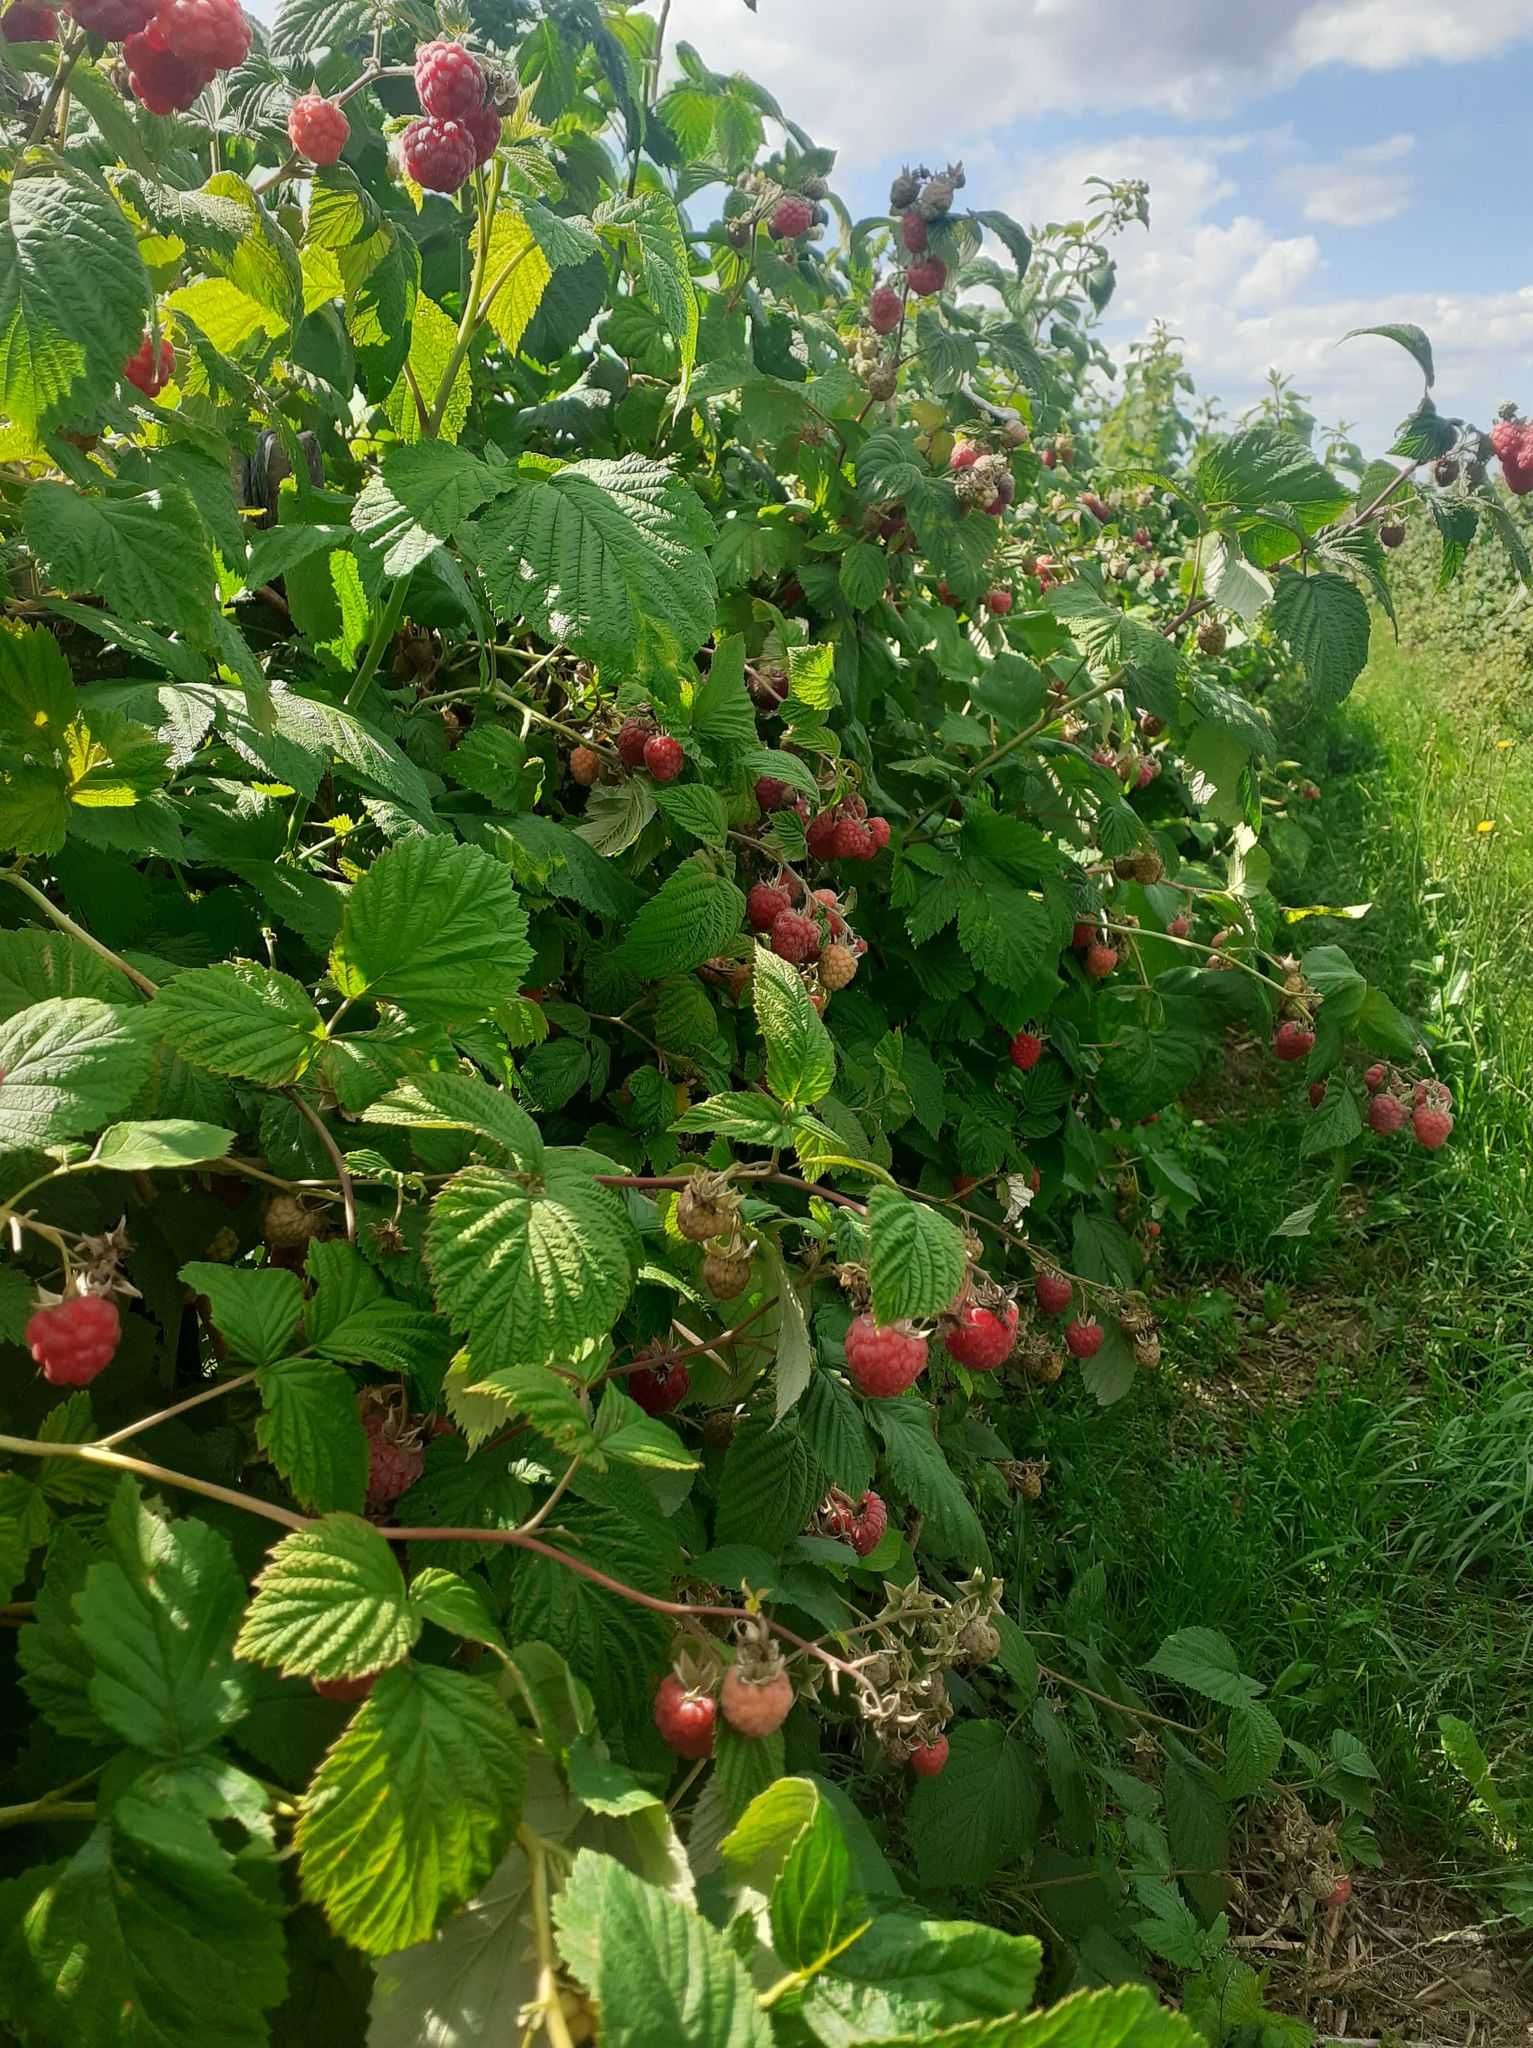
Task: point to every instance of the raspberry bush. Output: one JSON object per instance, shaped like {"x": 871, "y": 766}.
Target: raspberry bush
{"x": 624, "y": 822}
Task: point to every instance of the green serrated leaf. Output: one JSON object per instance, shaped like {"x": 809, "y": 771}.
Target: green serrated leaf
{"x": 801, "y": 1061}
{"x": 330, "y": 1603}
{"x": 435, "y": 928}
{"x": 916, "y": 1258}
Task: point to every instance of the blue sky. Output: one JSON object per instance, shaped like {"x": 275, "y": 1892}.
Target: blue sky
{"x": 1315, "y": 167}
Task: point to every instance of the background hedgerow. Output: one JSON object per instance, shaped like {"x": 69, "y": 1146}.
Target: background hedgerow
{"x": 652, "y": 865}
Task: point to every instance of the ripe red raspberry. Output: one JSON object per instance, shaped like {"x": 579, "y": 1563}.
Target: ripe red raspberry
{"x": 1432, "y": 1117}
{"x": 981, "y": 1339}
{"x": 832, "y": 904}
{"x": 114, "y": 19}
{"x": 664, "y": 757}
{"x": 633, "y": 738}
{"x": 1047, "y": 457}
{"x": 24, "y": 23}
{"x": 838, "y": 966}
{"x": 1506, "y": 437}
{"x": 1374, "y": 1077}
{"x": 660, "y": 1387}
{"x": 927, "y": 276}
{"x": 438, "y": 155}
{"x": 885, "y": 310}
{"x": 820, "y": 834}
{"x": 317, "y": 128}
{"x": 795, "y": 938}
{"x": 346, "y": 1689}
{"x": 1052, "y": 1291}
{"x": 1026, "y": 1051}
{"x": 685, "y": 1719}
{"x": 484, "y": 124}
{"x": 1101, "y": 959}
{"x": 1386, "y": 1115}
{"x": 852, "y": 840}
{"x": 790, "y": 218}
{"x": 755, "y": 1706}
{"x": 998, "y": 601}
{"x": 1083, "y": 935}
{"x": 1292, "y": 1040}
{"x": 1179, "y": 927}
{"x": 964, "y": 456}
{"x": 163, "y": 81}
{"x": 448, "y": 81}
{"x": 884, "y": 1362}
{"x": 913, "y": 232}
{"x": 928, "y": 1758}
{"x": 765, "y": 904}
{"x": 149, "y": 369}
{"x": 878, "y": 830}
{"x": 1083, "y": 1339}
{"x": 862, "y": 1525}
{"x": 772, "y": 794}
{"x": 585, "y": 766}
{"x": 74, "y": 1339}
{"x": 1317, "y": 1093}
{"x": 393, "y": 1463}
{"x": 210, "y": 31}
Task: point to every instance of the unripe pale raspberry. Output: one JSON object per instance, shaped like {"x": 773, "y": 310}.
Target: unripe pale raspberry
{"x": 1386, "y": 1115}
{"x": 286, "y": 1222}
{"x": 685, "y": 1719}
{"x": 838, "y": 966}
{"x": 790, "y": 218}
{"x": 664, "y": 757}
{"x": 632, "y": 739}
{"x": 317, "y": 128}
{"x": 150, "y": 369}
{"x": 704, "y": 1209}
{"x": 795, "y": 938}
{"x": 585, "y": 766}
{"x": 438, "y": 155}
{"x": 74, "y": 1339}
{"x": 927, "y": 1759}
{"x": 1052, "y": 1291}
{"x": 883, "y": 1362}
{"x": 755, "y": 1706}
{"x": 25, "y": 23}
{"x": 884, "y": 310}
{"x": 1026, "y": 1051}
{"x": 1292, "y": 1040}
{"x": 660, "y": 1387}
{"x": 484, "y": 125}
{"x": 727, "y": 1274}
{"x": 998, "y": 601}
{"x": 448, "y": 81}
{"x": 980, "y": 1339}
{"x": 1083, "y": 1339}
{"x": 765, "y": 903}
{"x": 927, "y": 276}
{"x": 1101, "y": 960}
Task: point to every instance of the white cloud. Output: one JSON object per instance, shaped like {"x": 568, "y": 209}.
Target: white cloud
{"x": 1365, "y": 185}
{"x": 889, "y": 76}
{"x": 1243, "y": 298}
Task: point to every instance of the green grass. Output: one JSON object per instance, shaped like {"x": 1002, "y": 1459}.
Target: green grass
{"x": 1338, "y": 1470}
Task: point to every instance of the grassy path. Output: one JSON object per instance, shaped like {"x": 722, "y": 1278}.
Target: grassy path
{"x": 1338, "y": 1469}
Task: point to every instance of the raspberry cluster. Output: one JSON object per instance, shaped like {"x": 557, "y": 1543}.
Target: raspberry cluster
{"x": 460, "y": 125}
{"x": 641, "y": 744}
{"x": 173, "y": 48}
{"x": 844, "y": 831}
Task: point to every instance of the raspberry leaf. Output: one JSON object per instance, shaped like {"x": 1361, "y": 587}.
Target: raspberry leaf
{"x": 437, "y": 929}
{"x": 650, "y": 224}
{"x": 623, "y": 1431}
{"x": 310, "y": 1430}
{"x": 68, "y": 1066}
{"x": 693, "y": 914}
{"x": 916, "y": 1258}
{"x": 146, "y": 552}
{"x": 1203, "y": 1659}
{"x": 722, "y": 710}
{"x": 256, "y": 1311}
{"x": 1324, "y": 619}
{"x": 907, "y": 1975}
{"x": 1253, "y": 1749}
{"x": 532, "y": 1270}
{"x": 610, "y": 557}
{"x": 413, "y": 1808}
{"x": 24, "y": 1524}
{"x": 801, "y": 1061}
{"x": 330, "y": 1603}
{"x": 769, "y": 1486}
{"x": 237, "y": 1018}
{"x": 456, "y": 1604}
{"x": 922, "y": 1475}
{"x": 170, "y": 1142}
{"x": 157, "y": 1619}
{"x": 461, "y": 1102}
{"x": 417, "y": 498}
{"x": 353, "y": 1319}
{"x": 964, "y": 1825}
{"x": 656, "y": 1969}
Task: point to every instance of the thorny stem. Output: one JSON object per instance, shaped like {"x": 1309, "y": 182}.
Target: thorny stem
{"x": 115, "y": 1461}
{"x": 1134, "y": 931}
{"x": 69, "y": 57}
{"x": 342, "y": 1170}
{"x": 118, "y": 1436}
{"x": 535, "y": 1522}
{"x": 548, "y": 1964}
{"x": 1118, "y": 1707}
{"x": 47, "y": 1808}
